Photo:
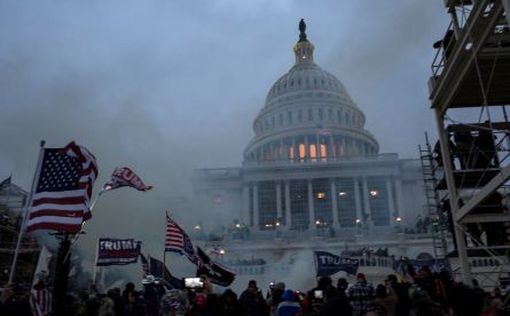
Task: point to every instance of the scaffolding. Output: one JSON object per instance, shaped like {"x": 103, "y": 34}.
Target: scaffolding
{"x": 439, "y": 222}
{"x": 471, "y": 74}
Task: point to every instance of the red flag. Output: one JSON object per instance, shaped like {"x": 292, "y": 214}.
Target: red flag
{"x": 64, "y": 187}
{"x": 122, "y": 177}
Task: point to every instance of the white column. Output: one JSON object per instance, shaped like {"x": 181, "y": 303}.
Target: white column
{"x": 256, "y": 206}
{"x": 318, "y": 148}
{"x": 311, "y": 209}
{"x": 278, "y": 200}
{"x": 366, "y": 200}
{"x": 307, "y": 149}
{"x": 334, "y": 204}
{"x": 357, "y": 199}
{"x": 281, "y": 151}
{"x": 391, "y": 203}
{"x": 400, "y": 204}
{"x": 331, "y": 149}
{"x": 245, "y": 208}
{"x": 295, "y": 158}
{"x": 288, "y": 220}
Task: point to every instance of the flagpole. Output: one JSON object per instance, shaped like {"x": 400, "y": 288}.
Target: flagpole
{"x": 164, "y": 244}
{"x": 25, "y": 212}
{"x": 94, "y": 273}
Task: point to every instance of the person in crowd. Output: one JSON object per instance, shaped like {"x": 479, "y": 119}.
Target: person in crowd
{"x": 107, "y": 307}
{"x": 361, "y": 295}
{"x": 385, "y": 303}
{"x": 174, "y": 303}
{"x": 289, "y": 305}
{"x": 229, "y": 305}
{"x": 14, "y": 302}
{"x": 318, "y": 295}
{"x": 150, "y": 296}
{"x": 401, "y": 290}
{"x": 134, "y": 305}
{"x": 130, "y": 286}
{"x": 275, "y": 297}
{"x": 252, "y": 301}
{"x": 337, "y": 303}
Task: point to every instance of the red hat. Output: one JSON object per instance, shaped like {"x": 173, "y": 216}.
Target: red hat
{"x": 200, "y": 299}
{"x": 361, "y": 276}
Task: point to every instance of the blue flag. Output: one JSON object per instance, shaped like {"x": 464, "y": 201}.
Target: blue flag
{"x": 328, "y": 264}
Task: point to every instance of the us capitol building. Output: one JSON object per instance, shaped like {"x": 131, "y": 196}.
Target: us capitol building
{"x": 312, "y": 178}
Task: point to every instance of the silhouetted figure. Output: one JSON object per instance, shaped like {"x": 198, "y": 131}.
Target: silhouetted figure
{"x": 447, "y": 44}
{"x": 464, "y": 143}
{"x": 438, "y": 156}
{"x": 486, "y": 154}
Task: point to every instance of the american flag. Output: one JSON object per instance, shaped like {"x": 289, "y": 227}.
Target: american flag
{"x": 40, "y": 301}
{"x": 64, "y": 187}
{"x": 176, "y": 240}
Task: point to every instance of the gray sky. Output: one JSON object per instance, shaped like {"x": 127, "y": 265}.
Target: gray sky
{"x": 168, "y": 86}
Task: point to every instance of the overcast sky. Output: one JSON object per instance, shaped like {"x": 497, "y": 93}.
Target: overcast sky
{"x": 168, "y": 86}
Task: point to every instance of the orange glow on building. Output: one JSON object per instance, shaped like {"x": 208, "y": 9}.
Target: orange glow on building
{"x": 302, "y": 151}
{"x": 313, "y": 151}
{"x": 324, "y": 151}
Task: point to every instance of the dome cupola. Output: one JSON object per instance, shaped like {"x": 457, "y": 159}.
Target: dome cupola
{"x": 308, "y": 116}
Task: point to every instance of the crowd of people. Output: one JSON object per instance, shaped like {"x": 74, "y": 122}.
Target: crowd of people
{"x": 428, "y": 294}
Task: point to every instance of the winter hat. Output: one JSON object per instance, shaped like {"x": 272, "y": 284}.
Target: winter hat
{"x": 288, "y": 295}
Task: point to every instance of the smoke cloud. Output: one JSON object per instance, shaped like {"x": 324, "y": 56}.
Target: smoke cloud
{"x": 165, "y": 87}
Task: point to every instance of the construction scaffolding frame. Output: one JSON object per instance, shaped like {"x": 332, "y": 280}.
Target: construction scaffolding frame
{"x": 471, "y": 71}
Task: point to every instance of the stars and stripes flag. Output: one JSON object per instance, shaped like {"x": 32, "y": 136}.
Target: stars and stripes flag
{"x": 64, "y": 186}
{"x": 40, "y": 301}
{"x": 122, "y": 177}
{"x": 176, "y": 240}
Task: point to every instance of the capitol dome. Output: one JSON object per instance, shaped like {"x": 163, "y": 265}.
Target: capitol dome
{"x": 308, "y": 117}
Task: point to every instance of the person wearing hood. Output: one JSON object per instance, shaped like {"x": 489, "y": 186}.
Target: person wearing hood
{"x": 289, "y": 305}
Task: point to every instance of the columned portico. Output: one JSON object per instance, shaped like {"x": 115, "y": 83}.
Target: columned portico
{"x": 334, "y": 204}
{"x": 366, "y": 202}
{"x": 256, "y": 206}
{"x": 311, "y": 209}
{"x": 288, "y": 219}
{"x": 391, "y": 202}
{"x": 245, "y": 207}
{"x": 357, "y": 199}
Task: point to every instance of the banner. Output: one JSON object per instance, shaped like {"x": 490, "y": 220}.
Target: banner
{"x": 158, "y": 269}
{"x": 117, "y": 251}
{"x": 216, "y": 273}
{"x": 408, "y": 268}
{"x": 327, "y": 264}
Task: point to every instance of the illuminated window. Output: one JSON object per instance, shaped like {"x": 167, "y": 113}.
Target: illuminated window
{"x": 321, "y": 195}
{"x": 291, "y": 152}
{"x": 324, "y": 151}
{"x": 342, "y": 193}
{"x": 313, "y": 151}
{"x": 373, "y": 192}
{"x": 302, "y": 151}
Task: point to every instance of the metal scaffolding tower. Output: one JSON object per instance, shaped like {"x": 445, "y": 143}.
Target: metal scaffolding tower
{"x": 471, "y": 72}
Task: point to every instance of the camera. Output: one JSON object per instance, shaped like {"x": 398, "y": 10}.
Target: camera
{"x": 193, "y": 283}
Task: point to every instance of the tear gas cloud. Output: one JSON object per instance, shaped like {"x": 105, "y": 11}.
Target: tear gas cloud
{"x": 165, "y": 87}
